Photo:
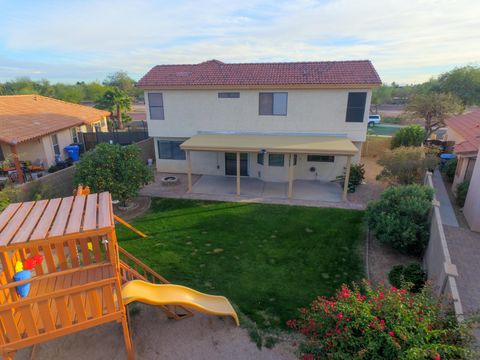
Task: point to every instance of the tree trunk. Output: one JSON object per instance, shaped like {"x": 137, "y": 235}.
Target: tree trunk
{"x": 119, "y": 118}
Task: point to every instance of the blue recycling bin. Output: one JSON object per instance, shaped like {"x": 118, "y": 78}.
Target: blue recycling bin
{"x": 73, "y": 152}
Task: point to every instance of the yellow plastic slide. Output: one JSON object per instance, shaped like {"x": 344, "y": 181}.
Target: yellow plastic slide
{"x": 169, "y": 294}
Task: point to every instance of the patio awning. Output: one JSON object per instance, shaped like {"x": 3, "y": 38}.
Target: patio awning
{"x": 285, "y": 144}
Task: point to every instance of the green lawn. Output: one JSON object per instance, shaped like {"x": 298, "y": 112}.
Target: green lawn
{"x": 269, "y": 260}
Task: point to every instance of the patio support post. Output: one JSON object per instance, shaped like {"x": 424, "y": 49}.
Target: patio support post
{"x": 16, "y": 160}
{"x": 347, "y": 178}
{"x": 238, "y": 173}
{"x": 189, "y": 171}
{"x": 290, "y": 175}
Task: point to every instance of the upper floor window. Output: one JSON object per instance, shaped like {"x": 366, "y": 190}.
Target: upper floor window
{"x": 356, "y": 106}
{"x": 170, "y": 149}
{"x": 228, "y": 95}
{"x": 155, "y": 105}
{"x": 273, "y": 103}
{"x": 56, "y": 147}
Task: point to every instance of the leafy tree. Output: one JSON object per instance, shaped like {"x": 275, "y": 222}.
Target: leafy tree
{"x": 463, "y": 82}
{"x": 434, "y": 108}
{"x": 116, "y": 101}
{"x": 70, "y": 93}
{"x": 114, "y": 168}
{"x": 406, "y": 165}
{"x": 94, "y": 91}
{"x": 400, "y": 218}
{"x": 412, "y": 135}
{"x": 121, "y": 80}
{"x": 381, "y": 95}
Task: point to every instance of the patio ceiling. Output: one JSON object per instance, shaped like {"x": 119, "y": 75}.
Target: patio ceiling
{"x": 285, "y": 144}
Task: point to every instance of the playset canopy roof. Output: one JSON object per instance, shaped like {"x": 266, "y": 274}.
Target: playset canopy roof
{"x": 48, "y": 220}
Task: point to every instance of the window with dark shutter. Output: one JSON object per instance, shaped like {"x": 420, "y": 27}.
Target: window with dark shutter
{"x": 155, "y": 104}
{"x": 356, "y": 106}
{"x": 273, "y": 103}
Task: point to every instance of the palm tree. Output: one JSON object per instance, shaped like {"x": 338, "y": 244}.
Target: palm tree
{"x": 116, "y": 101}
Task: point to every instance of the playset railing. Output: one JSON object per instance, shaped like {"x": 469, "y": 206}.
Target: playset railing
{"x": 60, "y": 304}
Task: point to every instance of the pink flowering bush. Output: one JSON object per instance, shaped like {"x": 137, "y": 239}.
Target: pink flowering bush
{"x": 366, "y": 322}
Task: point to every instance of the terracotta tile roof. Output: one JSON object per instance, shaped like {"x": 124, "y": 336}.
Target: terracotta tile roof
{"x": 468, "y": 127}
{"x": 25, "y": 117}
{"x": 217, "y": 73}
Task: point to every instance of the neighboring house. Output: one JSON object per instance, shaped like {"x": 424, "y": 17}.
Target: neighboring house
{"x": 464, "y": 130}
{"x": 272, "y": 121}
{"x": 37, "y": 128}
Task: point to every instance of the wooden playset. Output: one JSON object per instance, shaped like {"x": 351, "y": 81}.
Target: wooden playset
{"x": 77, "y": 276}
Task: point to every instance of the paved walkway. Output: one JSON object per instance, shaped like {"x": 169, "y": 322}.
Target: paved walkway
{"x": 446, "y": 210}
{"x": 464, "y": 247}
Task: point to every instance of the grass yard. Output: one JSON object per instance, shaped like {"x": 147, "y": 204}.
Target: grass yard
{"x": 269, "y": 260}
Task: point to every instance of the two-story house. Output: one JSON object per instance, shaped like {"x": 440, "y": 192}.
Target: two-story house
{"x": 278, "y": 122}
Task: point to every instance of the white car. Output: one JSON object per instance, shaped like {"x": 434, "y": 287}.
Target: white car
{"x": 374, "y": 119}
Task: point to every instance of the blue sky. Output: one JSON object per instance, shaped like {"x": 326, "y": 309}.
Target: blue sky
{"x": 408, "y": 42}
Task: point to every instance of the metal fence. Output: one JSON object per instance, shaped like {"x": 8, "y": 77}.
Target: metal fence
{"x": 92, "y": 139}
{"x": 441, "y": 272}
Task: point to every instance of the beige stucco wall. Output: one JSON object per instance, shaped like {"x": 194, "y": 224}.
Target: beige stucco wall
{"x": 471, "y": 209}
{"x": 213, "y": 163}
{"x": 316, "y": 111}
{"x": 452, "y": 135}
{"x": 320, "y": 111}
{"x": 40, "y": 150}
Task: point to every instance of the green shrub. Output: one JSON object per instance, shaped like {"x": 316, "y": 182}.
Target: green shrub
{"x": 406, "y": 165}
{"x": 379, "y": 323}
{"x": 400, "y": 218}
{"x": 357, "y": 174}
{"x": 9, "y": 194}
{"x": 412, "y": 135}
{"x": 412, "y": 275}
{"x": 449, "y": 169}
{"x": 461, "y": 193}
{"x": 114, "y": 168}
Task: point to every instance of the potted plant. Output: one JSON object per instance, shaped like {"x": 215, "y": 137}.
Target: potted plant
{"x": 24, "y": 272}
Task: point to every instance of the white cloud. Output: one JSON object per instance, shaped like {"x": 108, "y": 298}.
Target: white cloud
{"x": 407, "y": 41}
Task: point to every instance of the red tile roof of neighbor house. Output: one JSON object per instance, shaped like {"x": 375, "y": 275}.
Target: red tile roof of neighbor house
{"x": 26, "y": 117}
{"x": 468, "y": 127}
{"x": 216, "y": 73}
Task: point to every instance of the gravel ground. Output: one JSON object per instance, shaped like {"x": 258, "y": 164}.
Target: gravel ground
{"x": 201, "y": 337}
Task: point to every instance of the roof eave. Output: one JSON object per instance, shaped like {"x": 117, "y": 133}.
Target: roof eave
{"x": 258, "y": 86}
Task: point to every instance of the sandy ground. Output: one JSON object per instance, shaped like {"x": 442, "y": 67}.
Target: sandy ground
{"x": 201, "y": 337}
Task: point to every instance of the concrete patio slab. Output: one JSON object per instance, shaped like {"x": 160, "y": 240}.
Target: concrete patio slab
{"x": 316, "y": 193}
{"x": 302, "y": 189}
